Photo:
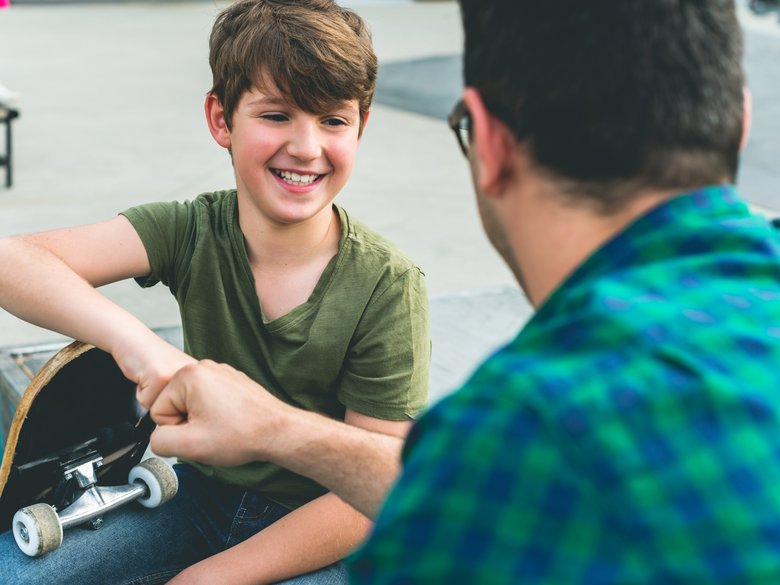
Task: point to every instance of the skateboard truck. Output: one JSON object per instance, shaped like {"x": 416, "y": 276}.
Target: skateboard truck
{"x": 38, "y": 529}
{"x": 95, "y": 500}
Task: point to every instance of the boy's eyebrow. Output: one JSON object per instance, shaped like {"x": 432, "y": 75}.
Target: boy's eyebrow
{"x": 268, "y": 101}
{"x": 279, "y": 101}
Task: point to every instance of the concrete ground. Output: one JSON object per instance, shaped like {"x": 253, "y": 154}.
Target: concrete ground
{"x": 111, "y": 100}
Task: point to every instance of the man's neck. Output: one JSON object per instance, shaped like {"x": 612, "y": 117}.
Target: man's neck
{"x": 553, "y": 238}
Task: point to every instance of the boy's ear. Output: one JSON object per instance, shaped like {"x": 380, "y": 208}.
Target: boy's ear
{"x": 364, "y": 123}
{"x": 492, "y": 146}
{"x": 215, "y": 116}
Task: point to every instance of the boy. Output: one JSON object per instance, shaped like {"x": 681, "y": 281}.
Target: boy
{"x": 271, "y": 278}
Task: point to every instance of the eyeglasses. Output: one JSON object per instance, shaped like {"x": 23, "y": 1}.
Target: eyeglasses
{"x": 460, "y": 122}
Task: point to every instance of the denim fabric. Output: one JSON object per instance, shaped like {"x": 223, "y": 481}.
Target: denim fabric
{"x": 138, "y": 546}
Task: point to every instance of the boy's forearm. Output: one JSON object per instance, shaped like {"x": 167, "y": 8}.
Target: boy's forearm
{"x": 314, "y": 536}
{"x": 39, "y": 287}
{"x": 35, "y": 285}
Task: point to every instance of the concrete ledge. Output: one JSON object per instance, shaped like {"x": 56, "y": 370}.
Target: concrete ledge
{"x": 468, "y": 326}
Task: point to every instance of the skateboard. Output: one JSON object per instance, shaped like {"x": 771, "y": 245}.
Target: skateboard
{"x": 73, "y": 451}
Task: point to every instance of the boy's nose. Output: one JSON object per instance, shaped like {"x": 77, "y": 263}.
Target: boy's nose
{"x": 304, "y": 142}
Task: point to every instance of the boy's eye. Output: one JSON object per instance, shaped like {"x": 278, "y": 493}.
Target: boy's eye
{"x": 274, "y": 117}
{"x": 335, "y": 122}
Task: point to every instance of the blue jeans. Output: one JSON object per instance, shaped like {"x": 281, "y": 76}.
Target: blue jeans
{"x": 140, "y": 546}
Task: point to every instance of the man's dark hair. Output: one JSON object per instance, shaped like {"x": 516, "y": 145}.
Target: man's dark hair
{"x": 613, "y": 96}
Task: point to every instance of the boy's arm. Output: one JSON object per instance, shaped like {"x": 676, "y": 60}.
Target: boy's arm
{"x": 49, "y": 279}
{"x": 314, "y": 536}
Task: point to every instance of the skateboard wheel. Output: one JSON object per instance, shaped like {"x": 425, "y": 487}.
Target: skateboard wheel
{"x": 37, "y": 530}
{"x": 160, "y": 481}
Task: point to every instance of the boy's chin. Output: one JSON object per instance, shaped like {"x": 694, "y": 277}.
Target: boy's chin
{"x": 297, "y": 212}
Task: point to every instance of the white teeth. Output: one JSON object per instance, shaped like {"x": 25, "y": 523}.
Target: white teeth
{"x": 295, "y": 178}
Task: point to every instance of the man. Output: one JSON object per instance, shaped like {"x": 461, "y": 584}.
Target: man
{"x": 629, "y": 434}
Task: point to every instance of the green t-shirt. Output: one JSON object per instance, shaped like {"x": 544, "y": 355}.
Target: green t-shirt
{"x": 360, "y": 341}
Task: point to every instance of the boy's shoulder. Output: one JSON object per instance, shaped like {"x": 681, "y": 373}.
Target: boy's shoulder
{"x": 369, "y": 246}
{"x": 212, "y": 211}
{"x": 207, "y": 201}
{"x": 216, "y": 199}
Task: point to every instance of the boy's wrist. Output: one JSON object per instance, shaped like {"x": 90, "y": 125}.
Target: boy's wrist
{"x": 129, "y": 346}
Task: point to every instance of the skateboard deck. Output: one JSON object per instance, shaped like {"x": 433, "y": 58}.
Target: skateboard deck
{"x": 73, "y": 448}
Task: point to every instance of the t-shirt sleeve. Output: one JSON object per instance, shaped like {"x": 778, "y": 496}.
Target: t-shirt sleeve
{"x": 164, "y": 228}
{"x": 387, "y": 369}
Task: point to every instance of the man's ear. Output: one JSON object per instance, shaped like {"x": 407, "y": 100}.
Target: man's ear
{"x": 493, "y": 146}
{"x": 747, "y": 116}
{"x": 215, "y": 116}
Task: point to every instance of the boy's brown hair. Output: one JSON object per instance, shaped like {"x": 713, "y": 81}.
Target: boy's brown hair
{"x": 316, "y": 52}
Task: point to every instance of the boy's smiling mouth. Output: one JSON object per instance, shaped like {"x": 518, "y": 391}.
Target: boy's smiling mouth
{"x": 296, "y": 179}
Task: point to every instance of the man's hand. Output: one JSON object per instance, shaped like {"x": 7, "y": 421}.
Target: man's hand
{"x": 215, "y": 414}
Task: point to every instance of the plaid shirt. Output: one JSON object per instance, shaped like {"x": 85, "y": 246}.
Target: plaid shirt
{"x": 629, "y": 434}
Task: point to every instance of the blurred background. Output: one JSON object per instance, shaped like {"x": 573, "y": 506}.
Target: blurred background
{"x": 110, "y": 96}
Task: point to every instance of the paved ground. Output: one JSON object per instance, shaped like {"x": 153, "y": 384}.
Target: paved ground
{"x": 111, "y": 100}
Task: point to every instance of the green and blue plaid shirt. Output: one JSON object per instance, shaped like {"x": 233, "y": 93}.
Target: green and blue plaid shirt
{"x": 629, "y": 434}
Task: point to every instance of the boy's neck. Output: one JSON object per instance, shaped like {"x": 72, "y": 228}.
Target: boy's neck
{"x": 287, "y": 245}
